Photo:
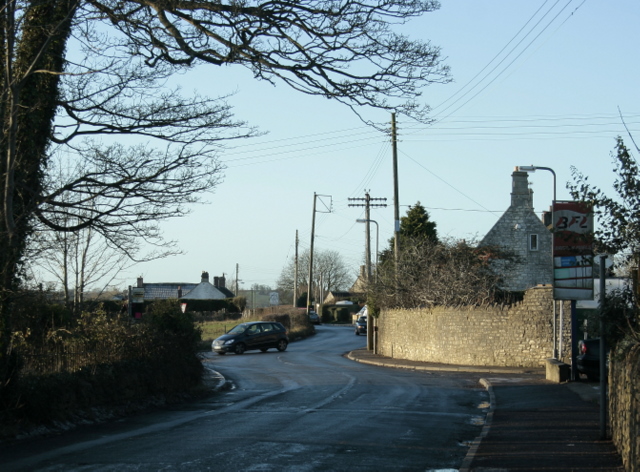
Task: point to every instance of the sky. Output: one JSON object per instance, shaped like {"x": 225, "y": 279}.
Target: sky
{"x": 534, "y": 83}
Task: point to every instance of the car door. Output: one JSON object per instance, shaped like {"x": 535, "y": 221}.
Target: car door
{"x": 254, "y": 336}
{"x": 270, "y": 335}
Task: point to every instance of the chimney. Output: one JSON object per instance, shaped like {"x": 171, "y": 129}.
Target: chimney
{"x": 205, "y": 276}
{"x": 179, "y": 291}
{"x": 216, "y": 281}
{"x": 521, "y": 194}
{"x": 139, "y": 282}
{"x": 221, "y": 282}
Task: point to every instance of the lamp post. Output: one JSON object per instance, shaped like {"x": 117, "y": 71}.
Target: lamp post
{"x": 533, "y": 168}
{"x": 362, "y": 220}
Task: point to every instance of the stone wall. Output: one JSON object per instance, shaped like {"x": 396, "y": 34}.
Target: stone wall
{"x": 624, "y": 405}
{"x": 515, "y": 335}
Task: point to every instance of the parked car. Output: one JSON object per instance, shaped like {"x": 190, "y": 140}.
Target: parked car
{"x": 588, "y": 359}
{"x": 255, "y": 335}
{"x": 361, "y": 325}
{"x": 314, "y": 317}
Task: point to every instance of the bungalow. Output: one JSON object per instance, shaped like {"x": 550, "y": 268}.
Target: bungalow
{"x": 204, "y": 290}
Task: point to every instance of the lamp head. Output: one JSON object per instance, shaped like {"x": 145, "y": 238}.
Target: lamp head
{"x": 526, "y": 168}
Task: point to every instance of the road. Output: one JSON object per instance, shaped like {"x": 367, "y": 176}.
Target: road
{"x": 305, "y": 409}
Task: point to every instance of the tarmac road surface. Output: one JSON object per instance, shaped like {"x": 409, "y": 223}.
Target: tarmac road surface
{"x": 306, "y": 409}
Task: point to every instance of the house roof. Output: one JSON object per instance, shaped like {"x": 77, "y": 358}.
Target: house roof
{"x": 162, "y": 291}
{"x": 204, "y": 291}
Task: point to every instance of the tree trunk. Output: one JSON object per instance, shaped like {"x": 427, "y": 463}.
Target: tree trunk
{"x": 30, "y": 85}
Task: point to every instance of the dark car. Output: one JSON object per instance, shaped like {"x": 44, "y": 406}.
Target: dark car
{"x": 361, "y": 326}
{"x": 314, "y": 318}
{"x": 588, "y": 359}
{"x": 255, "y": 335}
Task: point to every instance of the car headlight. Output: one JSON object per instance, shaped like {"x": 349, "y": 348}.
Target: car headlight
{"x": 230, "y": 341}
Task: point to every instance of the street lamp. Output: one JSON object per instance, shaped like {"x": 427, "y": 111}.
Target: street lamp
{"x": 362, "y": 220}
{"x": 533, "y": 168}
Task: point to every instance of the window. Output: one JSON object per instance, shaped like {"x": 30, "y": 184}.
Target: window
{"x": 533, "y": 242}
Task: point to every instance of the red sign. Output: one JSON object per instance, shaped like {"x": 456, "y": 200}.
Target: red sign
{"x": 572, "y": 251}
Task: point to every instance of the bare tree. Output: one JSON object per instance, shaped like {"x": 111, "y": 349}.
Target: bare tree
{"x": 51, "y": 94}
{"x": 330, "y": 273}
{"x": 79, "y": 262}
{"x": 449, "y": 272}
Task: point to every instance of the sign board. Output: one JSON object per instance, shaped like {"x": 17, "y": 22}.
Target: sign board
{"x": 137, "y": 295}
{"x": 274, "y": 298}
{"x": 572, "y": 251}
{"x": 183, "y": 306}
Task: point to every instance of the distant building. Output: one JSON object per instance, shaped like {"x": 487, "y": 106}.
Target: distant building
{"x": 357, "y": 293}
{"x": 204, "y": 290}
{"x": 520, "y": 231}
{"x": 360, "y": 285}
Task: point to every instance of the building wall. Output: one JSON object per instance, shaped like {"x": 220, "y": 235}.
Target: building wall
{"x": 519, "y": 335}
{"x": 513, "y": 232}
{"x": 624, "y": 405}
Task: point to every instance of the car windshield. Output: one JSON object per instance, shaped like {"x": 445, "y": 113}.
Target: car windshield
{"x": 238, "y": 329}
{"x": 362, "y": 319}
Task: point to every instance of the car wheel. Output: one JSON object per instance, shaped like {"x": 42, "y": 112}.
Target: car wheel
{"x": 221, "y": 353}
{"x": 264, "y": 349}
{"x": 282, "y": 345}
{"x": 357, "y": 334}
{"x": 240, "y": 348}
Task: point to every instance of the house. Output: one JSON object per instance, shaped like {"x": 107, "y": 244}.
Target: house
{"x": 520, "y": 231}
{"x": 360, "y": 285}
{"x": 204, "y": 290}
{"x": 357, "y": 292}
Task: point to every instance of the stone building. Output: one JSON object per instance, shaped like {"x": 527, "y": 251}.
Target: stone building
{"x": 520, "y": 231}
{"x": 204, "y": 290}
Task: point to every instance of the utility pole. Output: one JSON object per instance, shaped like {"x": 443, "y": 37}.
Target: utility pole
{"x": 313, "y": 231}
{"x": 367, "y": 211}
{"x": 295, "y": 274}
{"x": 396, "y": 199}
{"x": 367, "y": 204}
{"x": 237, "y": 286}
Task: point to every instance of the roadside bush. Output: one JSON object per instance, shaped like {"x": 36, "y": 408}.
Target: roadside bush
{"x": 285, "y": 319}
{"x": 446, "y": 273}
{"x": 104, "y": 360}
{"x": 339, "y": 314}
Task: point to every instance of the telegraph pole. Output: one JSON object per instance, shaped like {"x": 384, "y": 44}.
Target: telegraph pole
{"x": 367, "y": 211}
{"x": 396, "y": 199}
{"x": 295, "y": 276}
{"x": 237, "y": 286}
{"x": 313, "y": 231}
{"x": 367, "y": 204}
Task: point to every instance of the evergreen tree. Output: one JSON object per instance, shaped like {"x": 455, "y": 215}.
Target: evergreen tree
{"x": 415, "y": 226}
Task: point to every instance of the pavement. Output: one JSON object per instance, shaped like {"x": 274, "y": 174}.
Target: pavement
{"x": 532, "y": 424}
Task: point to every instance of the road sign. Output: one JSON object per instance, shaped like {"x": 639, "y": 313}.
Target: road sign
{"x": 572, "y": 251}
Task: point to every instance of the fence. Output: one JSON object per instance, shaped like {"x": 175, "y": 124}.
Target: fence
{"x": 57, "y": 357}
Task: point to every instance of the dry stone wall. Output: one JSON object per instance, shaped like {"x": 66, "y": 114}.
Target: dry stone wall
{"x": 519, "y": 335}
{"x": 624, "y": 405}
